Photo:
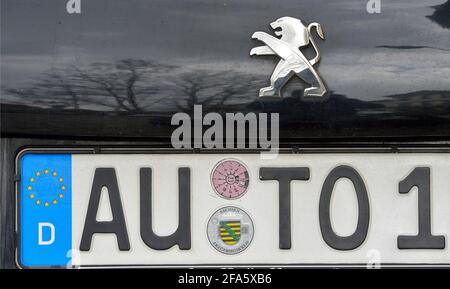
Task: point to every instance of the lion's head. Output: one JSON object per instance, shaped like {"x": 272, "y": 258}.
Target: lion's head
{"x": 291, "y": 31}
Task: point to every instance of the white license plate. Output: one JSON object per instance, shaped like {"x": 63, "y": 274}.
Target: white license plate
{"x": 162, "y": 209}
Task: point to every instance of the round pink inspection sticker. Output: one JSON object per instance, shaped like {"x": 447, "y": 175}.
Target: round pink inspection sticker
{"x": 230, "y": 179}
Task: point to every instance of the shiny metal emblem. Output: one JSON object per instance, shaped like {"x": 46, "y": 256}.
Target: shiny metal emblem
{"x": 294, "y": 35}
{"x": 230, "y": 230}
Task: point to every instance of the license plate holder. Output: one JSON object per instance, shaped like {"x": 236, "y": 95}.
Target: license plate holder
{"x": 291, "y": 248}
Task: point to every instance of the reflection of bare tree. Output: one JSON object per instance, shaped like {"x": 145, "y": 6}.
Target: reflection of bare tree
{"x": 52, "y": 90}
{"x": 120, "y": 86}
{"x": 134, "y": 86}
{"x": 211, "y": 89}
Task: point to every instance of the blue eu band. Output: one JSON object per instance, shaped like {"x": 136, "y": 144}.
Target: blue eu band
{"x": 45, "y": 210}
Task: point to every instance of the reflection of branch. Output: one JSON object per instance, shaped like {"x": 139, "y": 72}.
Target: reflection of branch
{"x": 106, "y": 85}
{"x": 209, "y": 88}
{"x": 130, "y": 88}
{"x": 67, "y": 89}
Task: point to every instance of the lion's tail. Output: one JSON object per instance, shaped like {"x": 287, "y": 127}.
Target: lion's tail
{"x": 320, "y": 33}
{"x": 318, "y": 29}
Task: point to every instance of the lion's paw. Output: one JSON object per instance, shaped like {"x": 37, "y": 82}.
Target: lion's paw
{"x": 258, "y": 35}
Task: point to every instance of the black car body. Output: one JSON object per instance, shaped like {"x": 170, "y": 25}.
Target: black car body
{"x": 113, "y": 76}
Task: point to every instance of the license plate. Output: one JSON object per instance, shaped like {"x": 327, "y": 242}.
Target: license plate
{"x": 80, "y": 209}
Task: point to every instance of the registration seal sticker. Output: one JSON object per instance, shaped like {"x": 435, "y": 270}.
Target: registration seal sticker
{"x": 230, "y": 230}
{"x": 230, "y": 179}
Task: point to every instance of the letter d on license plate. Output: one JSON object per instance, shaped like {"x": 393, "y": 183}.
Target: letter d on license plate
{"x": 45, "y": 209}
{"x": 321, "y": 208}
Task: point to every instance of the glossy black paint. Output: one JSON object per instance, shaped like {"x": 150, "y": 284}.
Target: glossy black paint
{"x": 120, "y": 69}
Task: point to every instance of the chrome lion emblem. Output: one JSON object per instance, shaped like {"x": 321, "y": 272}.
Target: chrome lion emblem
{"x": 294, "y": 35}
